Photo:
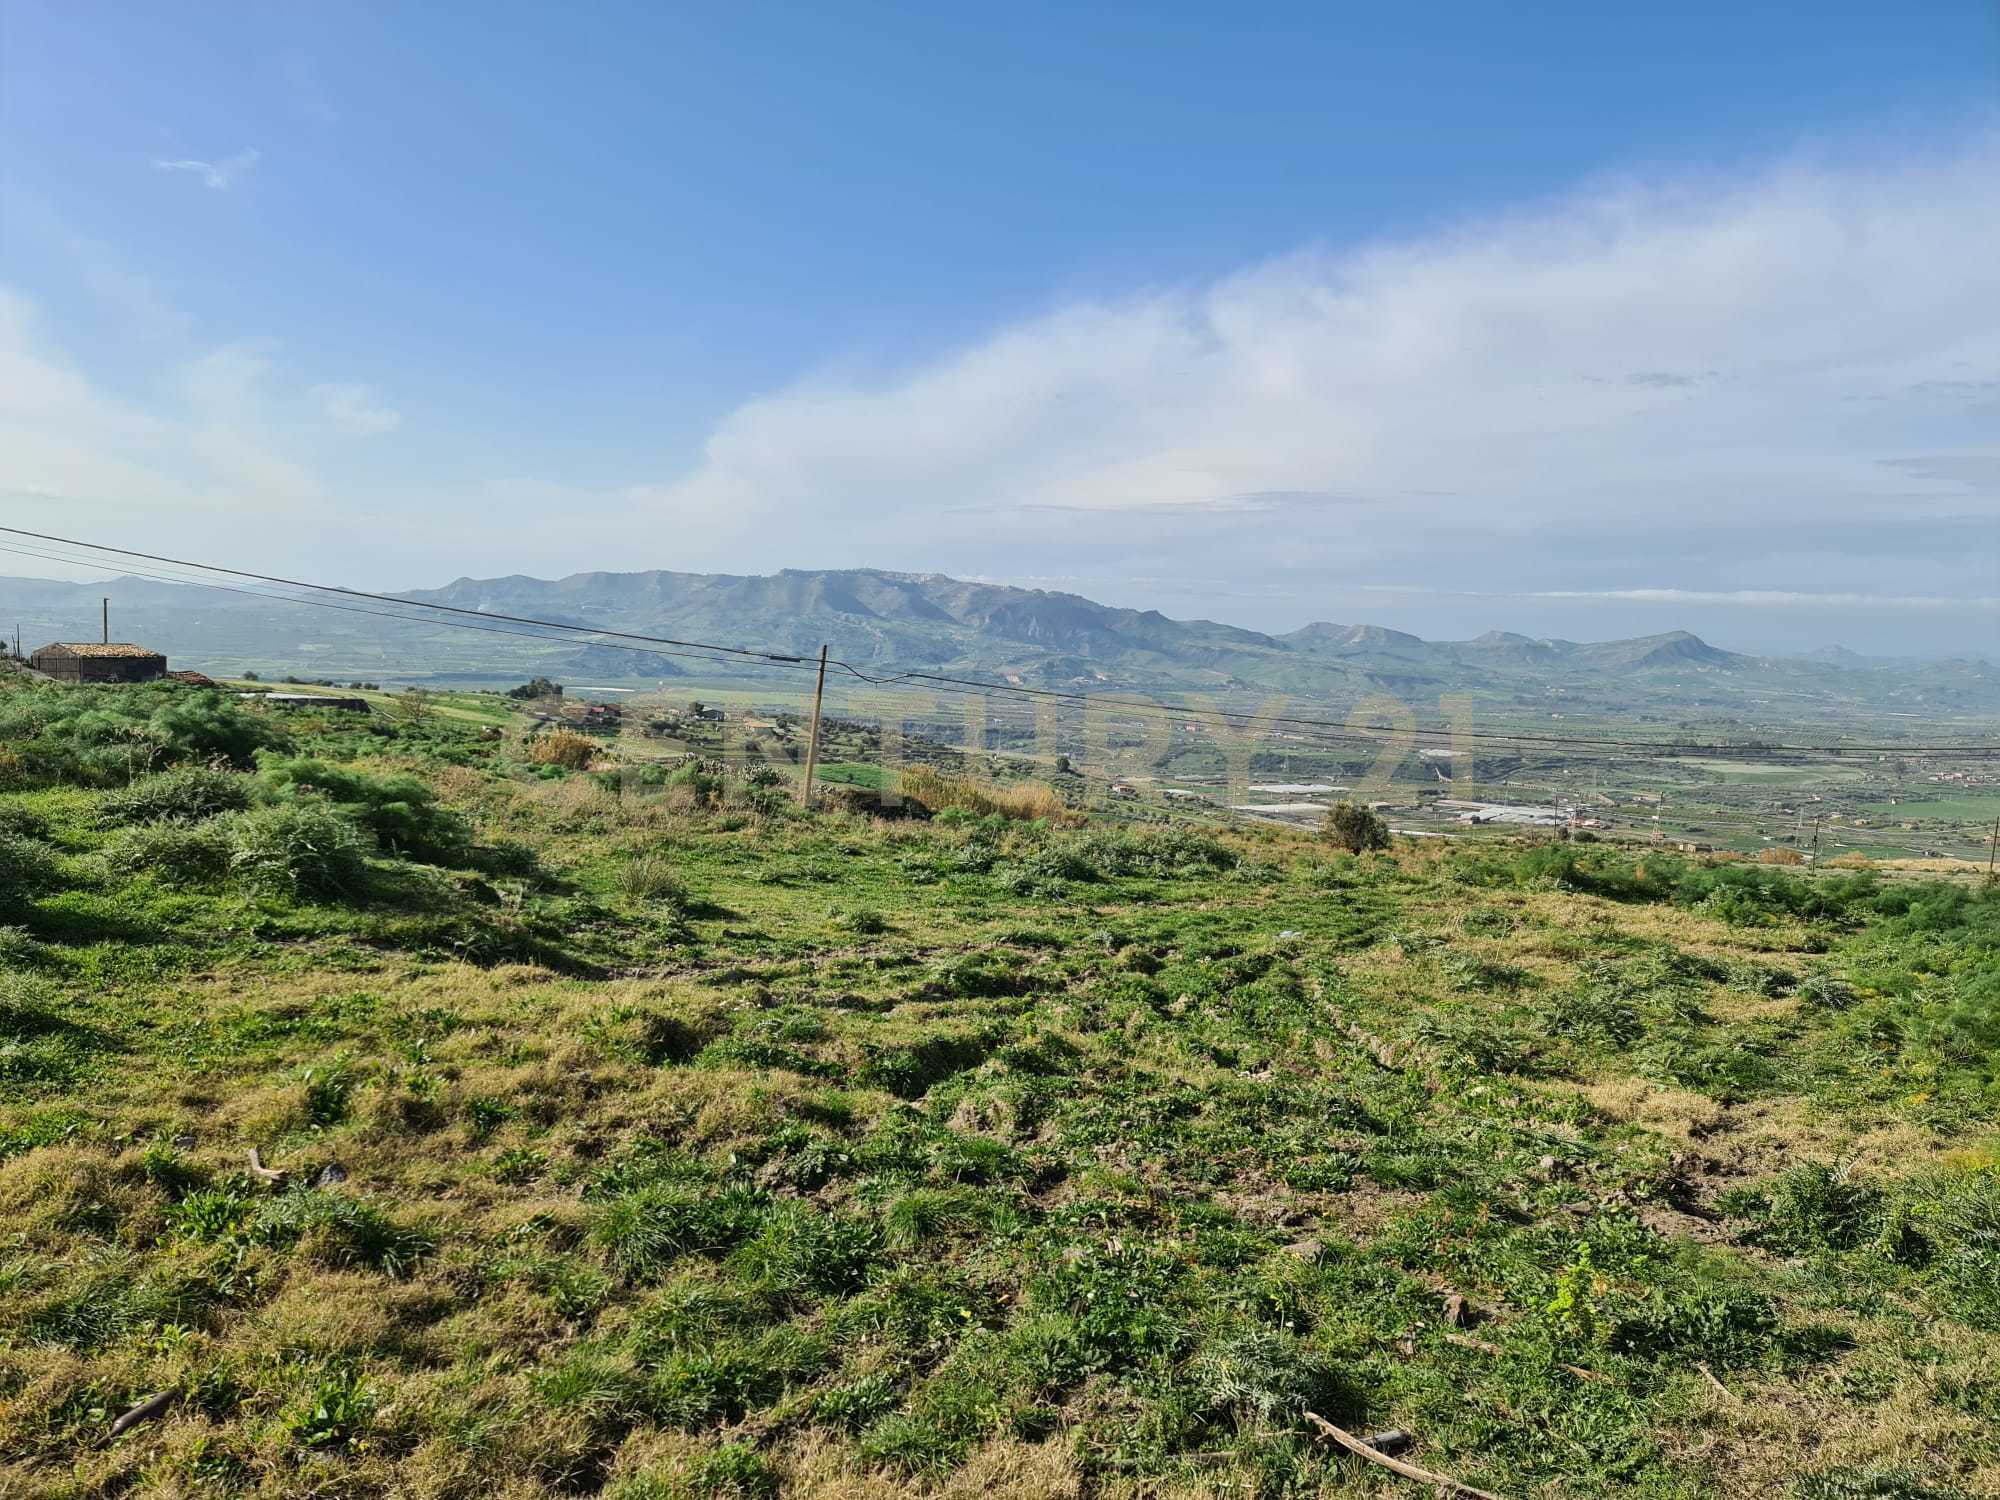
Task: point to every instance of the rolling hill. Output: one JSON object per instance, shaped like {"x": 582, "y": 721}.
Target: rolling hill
{"x": 905, "y": 622}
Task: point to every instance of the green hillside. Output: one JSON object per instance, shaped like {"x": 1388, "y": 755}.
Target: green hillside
{"x": 643, "y": 1136}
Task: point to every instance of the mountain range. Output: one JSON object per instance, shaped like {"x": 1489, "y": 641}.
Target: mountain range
{"x": 901, "y": 622}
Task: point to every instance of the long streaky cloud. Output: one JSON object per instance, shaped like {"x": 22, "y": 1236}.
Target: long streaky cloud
{"x": 1744, "y": 598}
{"x": 219, "y": 175}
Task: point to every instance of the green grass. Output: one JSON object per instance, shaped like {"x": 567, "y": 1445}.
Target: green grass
{"x": 1970, "y": 807}
{"x": 659, "y": 1145}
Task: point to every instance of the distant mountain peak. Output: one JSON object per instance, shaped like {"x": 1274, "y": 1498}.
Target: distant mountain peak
{"x": 933, "y": 622}
{"x": 1323, "y": 635}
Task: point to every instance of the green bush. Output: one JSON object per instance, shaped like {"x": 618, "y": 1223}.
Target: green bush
{"x": 106, "y": 736}
{"x": 298, "y": 849}
{"x": 400, "y": 813}
{"x": 186, "y": 794}
{"x": 1816, "y": 1206}
{"x": 175, "y": 853}
{"x": 26, "y": 866}
{"x": 1353, "y": 828}
{"x": 22, "y": 822}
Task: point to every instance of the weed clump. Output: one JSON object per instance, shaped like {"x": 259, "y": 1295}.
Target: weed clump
{"x": 176, "y": 853}
{"x": 299, "y": 849}
{"x": 654, "y": 877}
{"x": 562, "y": 749}
{"x": 27, "y": 866}
{"x": 1027, "y": 802}
{"x": 400, "y": 813}
{"x": 186, "y": 794}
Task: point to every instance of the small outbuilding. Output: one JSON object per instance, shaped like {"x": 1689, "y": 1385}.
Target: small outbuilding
{"x": 99, "y": 661}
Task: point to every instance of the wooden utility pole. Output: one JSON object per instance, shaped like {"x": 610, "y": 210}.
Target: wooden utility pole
{"x": 107, "y": 619}
{"x": 1993, "y": 848}
{"x": 812, "y": 738}
{"x": 1813, "y": 858}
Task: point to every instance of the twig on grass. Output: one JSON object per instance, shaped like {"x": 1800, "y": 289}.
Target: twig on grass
{"x": 1445, "y": 1483}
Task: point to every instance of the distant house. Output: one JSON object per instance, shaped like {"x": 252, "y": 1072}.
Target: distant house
{"x": 94, "y": 661}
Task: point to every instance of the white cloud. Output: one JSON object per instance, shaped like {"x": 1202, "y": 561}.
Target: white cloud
{"x": 208, "y": 443}
{"x": 1777, "y": 598}
{"x": 1642, "y": 358}
{"x": 1775, "y": 389}
{"x": 218, "y": 175}
{"x": 356, "y": 408}
{"x": 1747, "y": 598}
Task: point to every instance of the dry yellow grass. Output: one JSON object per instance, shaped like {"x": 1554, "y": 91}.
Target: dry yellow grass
{"x": 562, "y": 747}
{"x": 1027, "y": 800}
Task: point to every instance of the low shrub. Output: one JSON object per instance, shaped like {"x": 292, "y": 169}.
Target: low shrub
{"x": 299, "y": 849}
{"x": 654, "y": 877}
{"x": 22, "y": 822}
{"x": 186, "y": 794}
{"x": 564, "y": 749}
{"x": 400, "y": 813}
{"x": 1354, "y": 828}
{"x": 105, "y": 737}
{"x": 26, "y": 866}
{"x": 175, "y": 853}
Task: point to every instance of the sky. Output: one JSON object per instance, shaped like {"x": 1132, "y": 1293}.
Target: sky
{"x": 1571, "y": 319}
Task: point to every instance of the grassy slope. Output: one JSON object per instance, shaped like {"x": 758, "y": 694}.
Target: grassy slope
{"x": 850, "y": 1158}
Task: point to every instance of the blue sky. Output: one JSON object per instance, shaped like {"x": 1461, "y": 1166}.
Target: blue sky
{"x": 1579, "y": 319}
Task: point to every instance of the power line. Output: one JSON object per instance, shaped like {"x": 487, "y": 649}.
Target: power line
{"x": 1328, "y": 729}
{"x": 330, "y": 588}
{"x": 355, "y": 609}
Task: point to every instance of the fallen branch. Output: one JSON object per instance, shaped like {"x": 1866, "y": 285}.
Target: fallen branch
{"x": 263, "y": 1173}
{"x": 1444, "y": 1482}
{"x": 1709, "y": 1375}
{"x": 145, "y": 1411}
{"x": 1467, "y": 1341}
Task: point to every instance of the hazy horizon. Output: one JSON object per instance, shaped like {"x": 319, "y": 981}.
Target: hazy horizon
{"x": 1429, "y": 623}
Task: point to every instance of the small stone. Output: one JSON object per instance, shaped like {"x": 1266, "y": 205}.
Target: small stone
{"x": 330, "y": 1174}
{"x": 184, "y": 1143}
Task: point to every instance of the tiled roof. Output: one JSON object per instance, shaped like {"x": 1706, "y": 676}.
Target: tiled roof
{"x": 100, "y": 648}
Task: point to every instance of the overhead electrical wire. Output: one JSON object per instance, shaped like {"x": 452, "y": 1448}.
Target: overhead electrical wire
{"x": 355, "y": 609}
{"x": 454, "y": 609}
{"x": 1324, "y": 730}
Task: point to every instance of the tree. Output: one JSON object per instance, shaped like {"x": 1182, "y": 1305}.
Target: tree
{"x": 536, "y": 687}
{"x": 413, "y": 705}
{"x": 1355, "y": 829}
